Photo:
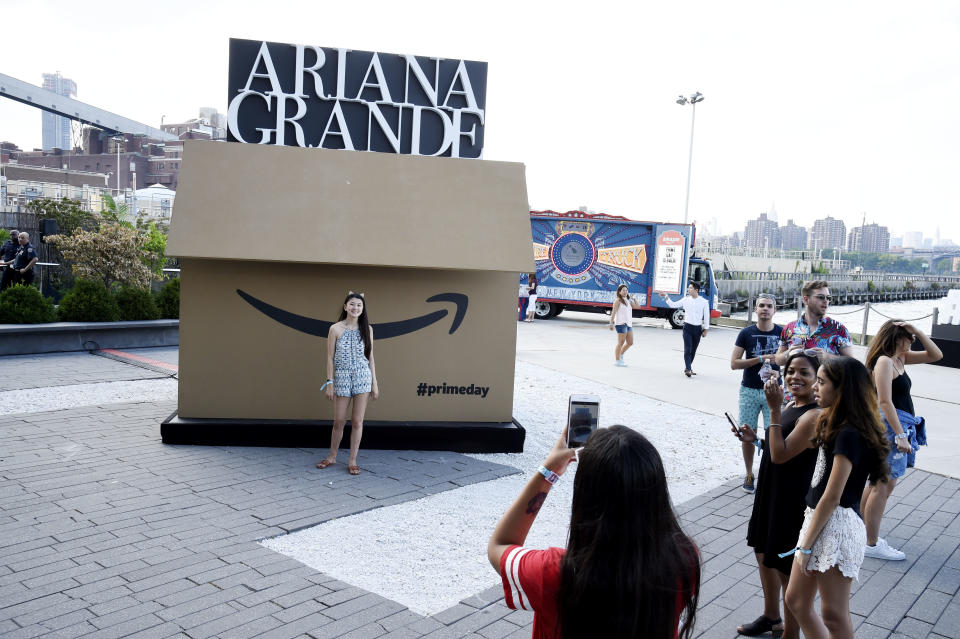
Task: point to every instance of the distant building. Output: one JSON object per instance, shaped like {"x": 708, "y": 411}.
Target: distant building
{"x": 761, "y": 233}
{"x": 56, "y": 128}
{"x": 827, "y": 233}
{"x": 165, "y": 166}
{"x": 211, "y": 124}
{"x": 869, "y": 238}
{"x": 152, "y": 203}
{"x": 913, "y": 239}
{"x": 896, "y": 242}
{"x": 793, "y": 237}
{"x": 102, "y": 161}
{"x": 27, "y": 183}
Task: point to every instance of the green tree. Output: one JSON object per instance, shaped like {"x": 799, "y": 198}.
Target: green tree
{"x": 115, "y": 213}
{"x": 155, "y": 249}
{"x": 69, "y": 214}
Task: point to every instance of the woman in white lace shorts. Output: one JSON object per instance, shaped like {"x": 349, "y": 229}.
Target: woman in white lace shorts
{"x": 852, "y": 449}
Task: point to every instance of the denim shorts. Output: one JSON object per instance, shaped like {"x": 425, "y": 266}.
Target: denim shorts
{"x": 896, "y": 459}
{"x": 623, "y": 328}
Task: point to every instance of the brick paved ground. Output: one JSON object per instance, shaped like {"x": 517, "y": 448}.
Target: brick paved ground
{"x": 913, "y": 598}
{"x": 106, "y": 532}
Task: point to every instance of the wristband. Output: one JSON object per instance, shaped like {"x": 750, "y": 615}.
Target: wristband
{"x": 551, "y": 477}
{"x": 327, "y": 383}
{"x": 798, "y": 549}
{"x": 901, "y": 436}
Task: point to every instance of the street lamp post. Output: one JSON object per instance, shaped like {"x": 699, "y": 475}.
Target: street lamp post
{"x": 692, "y": 100}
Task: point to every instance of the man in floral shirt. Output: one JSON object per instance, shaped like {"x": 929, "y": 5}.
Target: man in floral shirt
{"x": 814, "y": 330}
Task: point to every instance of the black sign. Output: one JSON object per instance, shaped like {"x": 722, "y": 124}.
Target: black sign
{"x": 309, "y": 96}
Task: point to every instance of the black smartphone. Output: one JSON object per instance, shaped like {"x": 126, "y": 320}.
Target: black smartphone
{"x": 736, "y": 429}
{"x": 583, "y": 417}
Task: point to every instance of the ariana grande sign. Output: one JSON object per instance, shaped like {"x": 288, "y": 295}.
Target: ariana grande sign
{"x": 310, "y": 96}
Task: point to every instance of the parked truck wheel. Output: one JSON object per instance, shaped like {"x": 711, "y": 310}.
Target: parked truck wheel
{"x": 546, "y": 310}
{"x": 676, "y": 318}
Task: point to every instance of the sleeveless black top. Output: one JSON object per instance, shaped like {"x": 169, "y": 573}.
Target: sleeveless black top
{"x": 900, "y": 393}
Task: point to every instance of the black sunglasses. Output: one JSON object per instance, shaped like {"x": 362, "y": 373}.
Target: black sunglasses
{"x": 823, "y": 298}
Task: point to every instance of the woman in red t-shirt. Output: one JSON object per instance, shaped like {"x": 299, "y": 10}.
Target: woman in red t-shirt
{"x": 628, "y": 569}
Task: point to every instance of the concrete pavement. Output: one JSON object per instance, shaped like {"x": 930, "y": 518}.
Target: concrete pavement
{"x": 581, "y": 344}
{"x": 106, "y": 532}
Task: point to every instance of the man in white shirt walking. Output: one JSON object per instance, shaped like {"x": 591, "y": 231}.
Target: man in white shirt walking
{"x": 696, "y": 321}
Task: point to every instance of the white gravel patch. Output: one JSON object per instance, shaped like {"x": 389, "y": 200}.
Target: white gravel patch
{"x": 430, "y": 553}
{"x": 38, "y": 400}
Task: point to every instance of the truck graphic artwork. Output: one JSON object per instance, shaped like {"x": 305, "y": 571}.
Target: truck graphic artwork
{"x": 582, "y": 258}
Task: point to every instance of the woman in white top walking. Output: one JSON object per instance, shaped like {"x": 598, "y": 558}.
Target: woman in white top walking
{"x": 696, "y": 321}
{"x": 621, "y": 320}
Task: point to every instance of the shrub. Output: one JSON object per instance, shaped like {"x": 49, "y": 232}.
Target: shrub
{"x": 88, "y": 301}
{"x": 112, "y": 253}
{"x": 136, "y": 304}
{"x": 168, "y": 300}
{"x": 22, "y": 304}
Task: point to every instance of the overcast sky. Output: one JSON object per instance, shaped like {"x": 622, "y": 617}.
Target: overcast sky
{"x": 814, "y": 109}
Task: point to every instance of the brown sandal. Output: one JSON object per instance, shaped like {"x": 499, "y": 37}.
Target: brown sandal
{"x": 326, "y": 463}
{"x": 353, "y": 470}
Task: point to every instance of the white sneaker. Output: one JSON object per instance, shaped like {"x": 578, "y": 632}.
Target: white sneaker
{"x": 620, "y": 362}
{"x": 883, "y": 551}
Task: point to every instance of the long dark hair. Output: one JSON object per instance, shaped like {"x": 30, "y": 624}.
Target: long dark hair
{"x": 855, "y": 405}
{"x": 627, "y": 562}
{"x": 885, "y": 342}
{"x": 362, "y": 321}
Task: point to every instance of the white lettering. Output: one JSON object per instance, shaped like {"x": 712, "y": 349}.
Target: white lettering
{"x": 282, "y": 118}
{"x": 459, "y": 132}
{"x": 341, "y": 73}
{"x": 234, "y": 109}
{"x": 374, "y": 113}
{"x": 271, "y": 74}
{"x": 303, "y": 70}
{"x": 380, "y": 83}
{"x": 466, "y": 92}
{"x": 343, "y": 131}
{"x": 422, "y": 80}
{"x": 447, "y": 130}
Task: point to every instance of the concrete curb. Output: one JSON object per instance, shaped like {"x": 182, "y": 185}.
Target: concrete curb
{"x": 28, "y": 339}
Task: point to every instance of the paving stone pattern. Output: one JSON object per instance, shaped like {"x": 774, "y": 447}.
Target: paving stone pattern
{"x": 106, "y": 532}
{"x": 63, "y": 369}
{"x": 917, "y": 597}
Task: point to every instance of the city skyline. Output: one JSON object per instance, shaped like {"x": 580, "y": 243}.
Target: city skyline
{"x": 828, "y": 232}
{"x": 860, "y": 122}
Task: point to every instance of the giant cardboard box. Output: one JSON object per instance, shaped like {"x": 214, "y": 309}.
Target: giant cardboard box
{"x": 270, "y": 241}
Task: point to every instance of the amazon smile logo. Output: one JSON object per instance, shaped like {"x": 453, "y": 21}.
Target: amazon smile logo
{"x": 386, "y": 330}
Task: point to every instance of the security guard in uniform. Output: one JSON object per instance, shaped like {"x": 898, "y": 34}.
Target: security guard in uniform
{"x": 7, "y": 254}
{"x": 23, "y": 263}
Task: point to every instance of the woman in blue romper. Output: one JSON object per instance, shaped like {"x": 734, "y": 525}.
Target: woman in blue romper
{"x": 350, "y": 358}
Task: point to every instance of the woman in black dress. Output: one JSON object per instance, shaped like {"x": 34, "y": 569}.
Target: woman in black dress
{"x": 782, "y": 483}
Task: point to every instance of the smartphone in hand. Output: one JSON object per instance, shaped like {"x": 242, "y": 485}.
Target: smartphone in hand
{"x": 583, "y": 417}
{"x": 736, "y": 429}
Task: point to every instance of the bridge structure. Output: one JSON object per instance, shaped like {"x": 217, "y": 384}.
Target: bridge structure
{"x": 49, "y": 101}
{"x": 933, "y": 254}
